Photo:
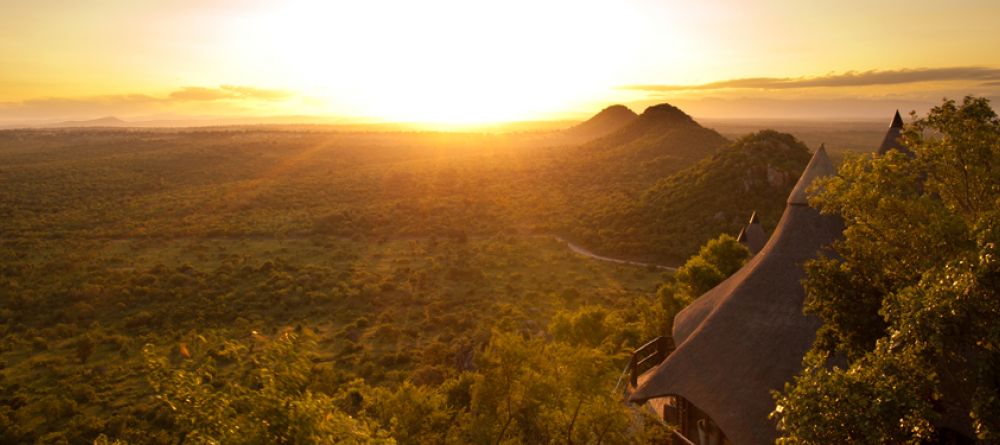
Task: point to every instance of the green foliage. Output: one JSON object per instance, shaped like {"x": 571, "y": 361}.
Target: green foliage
{"x": 386, "y": 313}
{"x": 671, "y": 218}
{"x": 716, "y": 260}
{"x": 104, "y": 440}
{"x": 411, "y": 414}
{"x": 266, "y": 399}
{"x": 909, "y": 308}
{"x": 882, "y": 398}
{"x": 588, "y": 326}
{"x": 532, "y": 391}
{"x": 522, "y": 391}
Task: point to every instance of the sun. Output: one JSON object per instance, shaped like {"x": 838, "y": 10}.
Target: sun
{"x": 445, "y": 61}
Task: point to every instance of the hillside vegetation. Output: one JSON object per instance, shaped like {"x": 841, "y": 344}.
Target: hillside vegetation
{"x": 718, "y": 194}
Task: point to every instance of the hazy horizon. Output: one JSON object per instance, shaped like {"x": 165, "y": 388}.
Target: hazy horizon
{"x": 448, "y": 63}
{"x": 834, "y": 115}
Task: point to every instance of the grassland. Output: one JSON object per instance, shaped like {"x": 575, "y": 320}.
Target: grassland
{"x": 399, "y": 255}
{"x": 405, "y": 262}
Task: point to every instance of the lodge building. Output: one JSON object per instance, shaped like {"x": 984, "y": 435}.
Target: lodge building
{"x": 712, "y": 378}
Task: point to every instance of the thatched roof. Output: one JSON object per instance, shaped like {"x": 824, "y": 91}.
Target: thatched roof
{"x": 819, "y": 165}
{"x": 752, "y": 236}
{"x": 892, "y": 140}
{"x": 747, "y": 336}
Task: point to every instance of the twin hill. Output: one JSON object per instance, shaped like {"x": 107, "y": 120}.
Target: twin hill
{"x": 661, "y": 140}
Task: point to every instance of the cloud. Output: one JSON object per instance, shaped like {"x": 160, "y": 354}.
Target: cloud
{"x": 228, "y": 92}
{"x": 847, "y": 79}
{"x": 87, "y": 107}
{"x": 847, "y": 108}
{"x": 223, "y": 100}
{"x": 764, "y": 107}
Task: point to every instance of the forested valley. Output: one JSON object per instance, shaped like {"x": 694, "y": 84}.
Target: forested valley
{"x": 301, "y": 284}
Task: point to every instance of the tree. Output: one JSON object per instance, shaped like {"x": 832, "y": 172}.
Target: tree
{"x": 909, "y": 348}
{"x": 263, "y": 400}
{"x": 587, "y": 326}
{"x": 716, "y": 260}
{"x": 536, "y": 391}
{"x": 411, "y": 414}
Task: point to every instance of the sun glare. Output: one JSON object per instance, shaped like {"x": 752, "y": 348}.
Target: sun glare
{"x": 444, "y": 61}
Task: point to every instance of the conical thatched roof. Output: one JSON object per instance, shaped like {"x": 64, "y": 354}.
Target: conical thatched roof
{"x": 819, "y": 165}
{"x": 752, "y": 236}
{"x": 891, "y": 140}
{"x": 747, "y": 336}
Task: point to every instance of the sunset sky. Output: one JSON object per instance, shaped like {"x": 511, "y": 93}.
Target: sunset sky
{"x": 478, "y": 61}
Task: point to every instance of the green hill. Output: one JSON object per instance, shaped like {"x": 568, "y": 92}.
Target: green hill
{"x": 669, "y": 220}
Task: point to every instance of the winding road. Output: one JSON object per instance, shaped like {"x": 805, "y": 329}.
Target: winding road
{"x": 580, "y": 250}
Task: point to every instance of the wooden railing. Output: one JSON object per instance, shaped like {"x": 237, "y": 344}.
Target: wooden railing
{"x": 648, "y": 356}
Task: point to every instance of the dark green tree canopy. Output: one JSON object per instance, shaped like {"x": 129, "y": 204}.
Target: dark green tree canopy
{"x": 909, "y": 349}
{"x": 716, "y": 260}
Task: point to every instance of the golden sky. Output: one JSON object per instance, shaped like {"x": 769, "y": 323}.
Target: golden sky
{"x": 480, "y": 61}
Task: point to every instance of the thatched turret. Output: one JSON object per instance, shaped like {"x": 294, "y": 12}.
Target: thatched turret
{"x": 747, "y": 336}
{"x": 892, "y": 137}
{"x": 752, "y": 236}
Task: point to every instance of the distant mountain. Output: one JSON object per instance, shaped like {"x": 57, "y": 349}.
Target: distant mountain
{"x": 605, "y": 122}
{"x": 660, "y": 141}
{"x": 333, "y": 123}
{"x": 669, "y": 220}
{"x": 109, "y": 121}
{"x": 656, "y": 121}
{"x": 185, "y": 122}
{"x": 663, "y": 130}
